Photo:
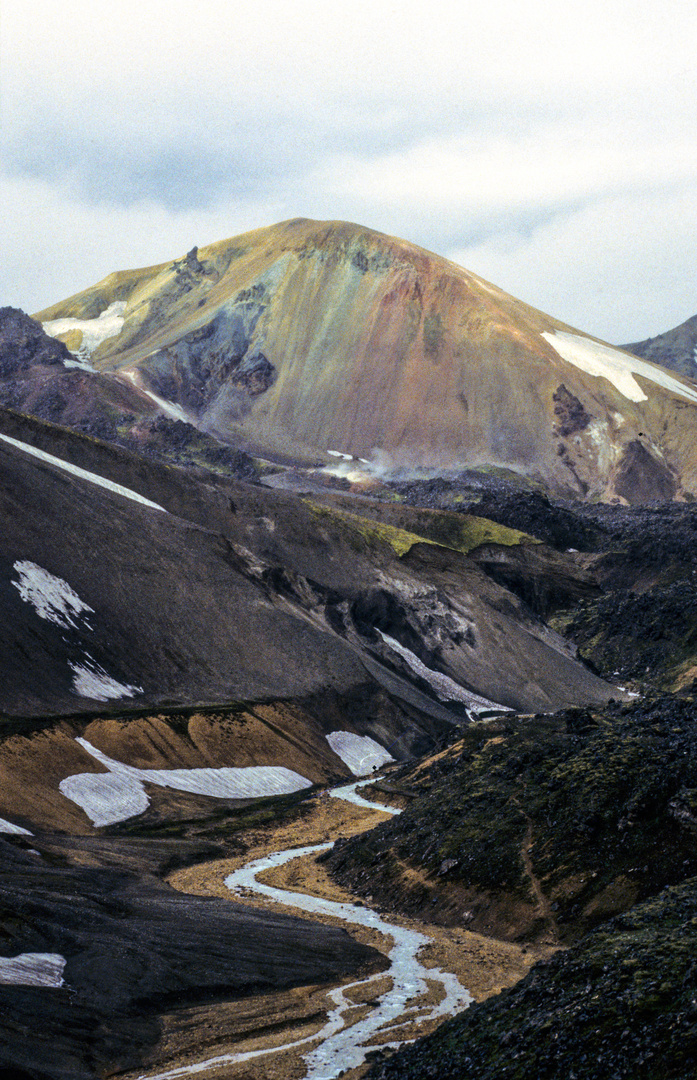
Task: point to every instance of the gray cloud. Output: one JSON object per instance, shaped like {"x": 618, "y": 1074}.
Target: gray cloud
{"x": 501, "y": 137}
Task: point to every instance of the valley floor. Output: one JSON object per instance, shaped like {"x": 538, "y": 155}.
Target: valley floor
{"x": 191, "y": 1036}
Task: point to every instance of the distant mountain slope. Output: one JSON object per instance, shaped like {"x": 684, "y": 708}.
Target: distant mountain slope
{"x": 126, "y": 580}
{"x": 307, "y": 337}
{"x": 676, "y": 349}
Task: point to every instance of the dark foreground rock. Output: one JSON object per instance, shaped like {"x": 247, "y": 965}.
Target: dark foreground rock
{"x": 620, "y": 1004}
{"x": 134, "y": 948}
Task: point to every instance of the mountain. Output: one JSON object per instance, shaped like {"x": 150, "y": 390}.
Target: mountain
{"x": 308, "y": 338}
{"x": 288, "y": 512}
{"x": 675, "y": 349}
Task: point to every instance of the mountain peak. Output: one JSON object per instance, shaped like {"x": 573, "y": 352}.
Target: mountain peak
{"x": 307, "y": 337}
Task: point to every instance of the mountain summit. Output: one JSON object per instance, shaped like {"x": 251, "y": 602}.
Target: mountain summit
{"x": 311, "y": 337}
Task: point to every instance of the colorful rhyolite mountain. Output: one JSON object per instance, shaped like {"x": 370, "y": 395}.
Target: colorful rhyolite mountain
{"x": 308, "y": 337}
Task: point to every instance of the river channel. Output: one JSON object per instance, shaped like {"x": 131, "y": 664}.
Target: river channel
{"x": 343, "y": 1043}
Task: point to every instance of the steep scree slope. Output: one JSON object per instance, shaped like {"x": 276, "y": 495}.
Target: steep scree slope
{"x": 221, "y": 591}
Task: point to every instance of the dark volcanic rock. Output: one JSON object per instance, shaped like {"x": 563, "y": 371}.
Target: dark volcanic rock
{"x": 643, "y": 479}
{"x": 620, "y": 1005}
{"x": 209, "y": 600}
{"x": 675, "y": 349}
{"x": 570, "y": 413}
{"x": 529, "y": 510}
{"x": 546, "y": 825}
{"x": 24, "y": 344}
{"x": 134, "y": 947}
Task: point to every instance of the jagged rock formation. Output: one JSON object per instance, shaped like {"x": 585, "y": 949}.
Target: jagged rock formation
{"x": 312, "y": 336}
{"x": 675, "y": 349}
{"x": 39, "y": 376}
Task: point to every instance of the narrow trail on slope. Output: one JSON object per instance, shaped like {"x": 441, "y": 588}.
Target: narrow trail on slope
{"x": 543, "y": 905}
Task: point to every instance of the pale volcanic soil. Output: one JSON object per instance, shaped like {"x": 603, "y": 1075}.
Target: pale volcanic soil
{"x": 483, "y": 965}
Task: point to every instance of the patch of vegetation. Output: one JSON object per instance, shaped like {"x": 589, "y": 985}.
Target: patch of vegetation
{"x": 455, "y": 531}
{"x": 364, "y": 533}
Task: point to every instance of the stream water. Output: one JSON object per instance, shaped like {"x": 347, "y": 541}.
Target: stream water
{"x": 340, "y": 1044}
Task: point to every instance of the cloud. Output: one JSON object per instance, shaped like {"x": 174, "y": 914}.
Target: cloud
{"x": 133, "y": 130}
{"x": 624, "y": 263}
{"x": 55, "y": 245}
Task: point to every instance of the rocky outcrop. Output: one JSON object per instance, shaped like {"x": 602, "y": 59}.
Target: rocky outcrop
{"x": 24, "y": 344}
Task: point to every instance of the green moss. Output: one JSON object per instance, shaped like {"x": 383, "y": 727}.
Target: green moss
{"x": 364, "y": 533}
{"x": 458, "y": 532}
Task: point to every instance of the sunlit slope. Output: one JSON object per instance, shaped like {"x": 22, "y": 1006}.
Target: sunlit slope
{"x": 308, "y": 336}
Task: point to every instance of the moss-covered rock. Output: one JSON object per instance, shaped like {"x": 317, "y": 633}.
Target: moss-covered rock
{"x": 620, "y": 1004}
{"x": 539, "y": 826}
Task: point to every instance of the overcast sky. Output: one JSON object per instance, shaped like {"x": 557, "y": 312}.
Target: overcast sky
{"x": 548, "y": 147}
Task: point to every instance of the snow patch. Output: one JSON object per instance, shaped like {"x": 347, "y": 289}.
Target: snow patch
{"x": 93, "y": 682}
{"x": 94, "y": 331}
{"x": 338, "y": 454}
{"x": 168, "y": 407}
{"x": 446, "y": 689}
{"x": 54, "y": 600}
{"x": 359, "y": 752}
{"x": 82, "y": 474}
{"x": 50, "y": 596}
{"x": 616, "y": 366}
{"x": 119, "y": 793}
{"x": 32, "y": 969}
{"x": 106, "y": 798}
{"x": 15, "y": 830}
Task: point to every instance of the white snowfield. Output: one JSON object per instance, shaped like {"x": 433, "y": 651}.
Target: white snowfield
{"x": 359, "y": 752}
{"x": 82, "y": 474}
{"x": 94, "y": 331}
{"x": 446, "y": 689}
{"x": 50, "y": 596}
{"x": 616, "y": 366}
{"x": 93, "y": 682}
{"x": 15, "y": 830}
{"x": 32, "y": 969}
{"x": 168, "y": 407}
{"x": 119, "y": 793}
{"x": 54, "y": 600}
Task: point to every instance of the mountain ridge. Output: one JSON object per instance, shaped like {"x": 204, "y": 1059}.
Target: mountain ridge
{"x": 307, "y": 337}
